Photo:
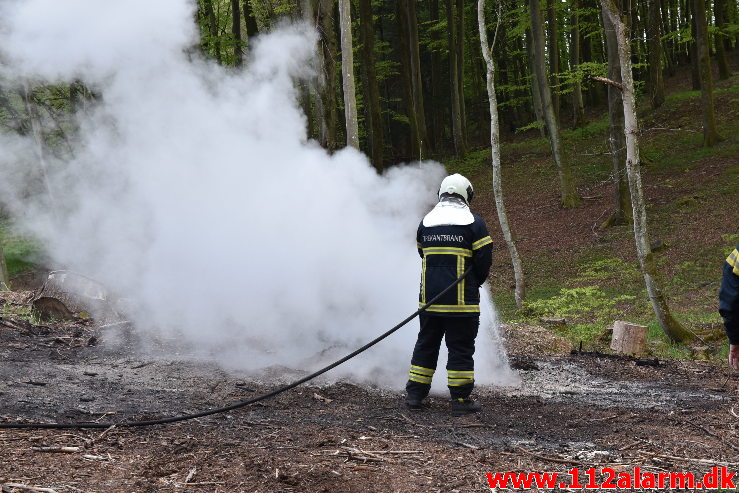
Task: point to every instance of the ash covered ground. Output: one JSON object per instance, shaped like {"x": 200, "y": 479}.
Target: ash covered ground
{"x": 570, "y": 410}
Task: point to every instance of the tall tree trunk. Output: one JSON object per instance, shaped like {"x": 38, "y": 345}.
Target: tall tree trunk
{"x": 520, "y": 293}
{"x": 213, "y": 28}
{"x": 347, "y": 74}
{"x": 616, "y": 136}
{"x": 437, "y": 109}
{"x": 720, "y": 13}
{"x": 535, "y": 84}
{"x": 416, "y": 81}
{"x": 553, "y": 49}
{"x": 459, "y": 48}
{"x": 250, "y": 21}
{"x": 4, "y": 277}
{"x": 460, "y": 149}
{"x": 668, "y": 44}
{"x": 656, "y": 82}
{"x": 370, "y": 90}
{"x": 695, "y": 71}
{"x": 568, "y": 190}
{"x": 672, "y": 328}
{"x": 578, "y": 106}
{"x": 236, "y": 31}
{"x": 710, "y": 134}
{"x": 411, "y": 73}
{"x": 327, "y": 107}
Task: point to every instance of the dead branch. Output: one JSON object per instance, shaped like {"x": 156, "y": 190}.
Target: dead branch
{"x": 9, "y": 487}
{"x": 610, "y": 82}
{"x": 57, "y": 448}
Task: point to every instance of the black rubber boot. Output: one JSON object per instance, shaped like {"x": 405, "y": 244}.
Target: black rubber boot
{"x": 413, "y": 402}
{"x": 460, "y": 407}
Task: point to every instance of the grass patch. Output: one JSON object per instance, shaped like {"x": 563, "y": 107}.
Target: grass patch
{"x": 21, "y": 253}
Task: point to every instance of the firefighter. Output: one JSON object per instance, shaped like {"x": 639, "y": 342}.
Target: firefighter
{"x": 450, "y": 240}
{"x": 728, "y": 306}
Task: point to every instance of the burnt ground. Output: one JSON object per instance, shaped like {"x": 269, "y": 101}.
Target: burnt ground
{"x": 587, "y": 410}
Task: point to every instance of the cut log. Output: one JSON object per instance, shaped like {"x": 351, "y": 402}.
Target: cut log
{"x": 67, "y": 295}
{"x": 629, "y": 338}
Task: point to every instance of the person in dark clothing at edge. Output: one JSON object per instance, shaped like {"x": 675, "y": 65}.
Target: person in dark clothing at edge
{"x": 450, "y": 239}
{"x": 728, "y": 306}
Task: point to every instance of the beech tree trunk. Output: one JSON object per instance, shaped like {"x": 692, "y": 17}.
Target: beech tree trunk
{"x": 578, "y": 106}
{"x": 520, "y": 293}
{"x": 568, "y": 190}
{"x": 410, "y": 67}
{"x": 236, "y": 31}
{"x": 720, "y": 14}
{"x": 460, "y": 148}
{"x": 710, "y": 134}
{"x": 553, "y": 51}
{"x": 672, "y": 328}
{"x": 656, "y": 82}
{"x": 535, "y": 94}
{"x": 436, "y": 133}
{"x": 347, "y": 74}
{"x": 328, "y": 112}
{"x": 250, "y": 21}
{"x": 370, "y": 90}
{"x": 616, "y": 136}
{"x": 213, "y": 28}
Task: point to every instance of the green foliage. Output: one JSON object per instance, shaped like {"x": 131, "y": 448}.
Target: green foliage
{"x": 579, "y": 303}
{"x": 21, "y": 253}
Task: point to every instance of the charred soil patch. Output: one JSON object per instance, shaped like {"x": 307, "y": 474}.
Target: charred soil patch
{"x": 570, "y": 410}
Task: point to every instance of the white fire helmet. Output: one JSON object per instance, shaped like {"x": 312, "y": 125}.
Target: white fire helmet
{"x": 457, "y": 184}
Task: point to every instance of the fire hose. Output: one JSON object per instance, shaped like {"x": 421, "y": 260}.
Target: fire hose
{"x": 237, "y": 405}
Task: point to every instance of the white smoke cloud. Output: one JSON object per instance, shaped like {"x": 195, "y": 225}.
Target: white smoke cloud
{"x": 193, "y": 192}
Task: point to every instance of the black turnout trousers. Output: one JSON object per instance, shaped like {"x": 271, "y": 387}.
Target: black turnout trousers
{"x": 459, "y": 333}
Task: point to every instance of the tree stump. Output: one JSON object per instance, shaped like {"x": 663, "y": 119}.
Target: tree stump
{"x": 67, "y": 295}
{"x": 629, "y": 338}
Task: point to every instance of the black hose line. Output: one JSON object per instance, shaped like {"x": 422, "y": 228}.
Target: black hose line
{"x": 184, "y": 417}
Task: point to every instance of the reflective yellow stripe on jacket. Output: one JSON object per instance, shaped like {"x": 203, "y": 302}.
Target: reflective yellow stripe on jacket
{"x": 733, "y": 261}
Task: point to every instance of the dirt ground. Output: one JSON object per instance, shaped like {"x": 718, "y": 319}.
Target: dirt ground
{"x": 570, "y": 410}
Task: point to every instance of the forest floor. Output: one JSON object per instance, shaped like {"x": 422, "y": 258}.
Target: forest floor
{"x": 570, "y": 410}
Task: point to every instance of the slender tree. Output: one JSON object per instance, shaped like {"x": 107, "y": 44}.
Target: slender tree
{"x": 213, "y": 29}
{"x": 534, "y": 86}
{"x": 236, "y": 32}
{"x": 327, "y": 108}
{"x": 720, "y": 13}
{"x": 672, "y": 328}
{"x": 656, "y": 82}
{"x": 616, "y": 136}
{"x": 520, "y": 293}
{"x": 347, "y": 74}
{"x": 578, "y": 106}
{"x": 553, "y": 52}
{"x": 250, "y": 21}
{"x": 370, "y": 89}
{"x": 460, "y": 146}
{"x": 710, "y": 134}
{"x": 410, "y": 64}
{"x": 568, "y": 190}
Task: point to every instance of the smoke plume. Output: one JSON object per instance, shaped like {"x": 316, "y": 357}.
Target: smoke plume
{"x": 191, "y": 190}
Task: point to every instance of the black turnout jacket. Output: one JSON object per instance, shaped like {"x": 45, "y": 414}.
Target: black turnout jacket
{"x": 447, "y": 251}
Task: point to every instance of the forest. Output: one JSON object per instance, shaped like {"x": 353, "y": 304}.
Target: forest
{"x": 157, "y": 155}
